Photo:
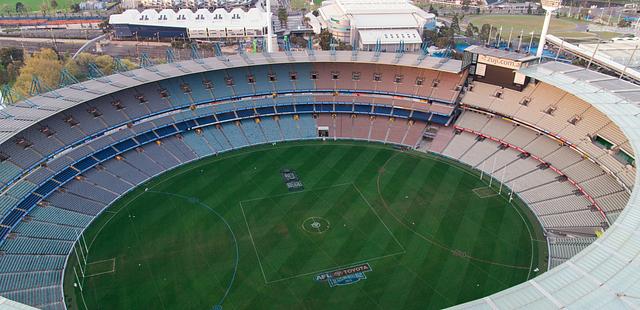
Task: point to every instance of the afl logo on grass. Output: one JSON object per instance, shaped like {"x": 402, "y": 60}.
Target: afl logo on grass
{"x": 316, "y": 225}
{"x": 344, "y": 276}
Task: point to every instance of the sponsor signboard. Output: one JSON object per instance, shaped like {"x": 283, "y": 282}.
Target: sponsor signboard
{"x": 344, "y": 276}
{"x": 500, "y": 62}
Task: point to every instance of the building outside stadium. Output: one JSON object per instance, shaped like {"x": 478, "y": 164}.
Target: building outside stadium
{"x": 365, "y": 23}
{"x": 187, "y": 24}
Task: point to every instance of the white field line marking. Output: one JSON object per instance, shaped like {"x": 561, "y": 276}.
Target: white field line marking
{"x": 253, "y": 243}
{"x": 113, "y": 267}
{"x": 378, "y": 216}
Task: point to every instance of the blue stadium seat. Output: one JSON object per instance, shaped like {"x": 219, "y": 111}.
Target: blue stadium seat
{"x": 198, "y": 92}
{"x": 241, "y": 84}
{"x": 283, "y": 77}
{"x": 197, "y": 143}
{"x": 234, "y": 135}
{"x": 303, "y": 82}
{"x": 307, "y": 127}
{"x": 216, "y": 139}
{"x": 220, "y": 88}
{"x": 262, "y": 85}
{"x": 288, "y": 127}
{"x": 253, "y": 132}
{"x": 270, "y": 129}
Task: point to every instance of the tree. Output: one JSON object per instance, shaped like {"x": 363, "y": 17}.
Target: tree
{"x": 13, "y": 70}
{"x": 442, "y": 37}
{"x": 485, "y": 30}
{"x": 325, "y": 39}
{"x": 298, "y": 41}
{"x": 130, "y": 65}
{"x": 430, "y": 36}
{"x": 455, "y": 23}
{"x": 45, "y": 64}
{"x": 432, "y": 10}
{"x": 316, "y": 13}
{"x": 20, "y": 7}
{"x": 4, "y": 77}
{"x": 53, "y": 4}
{"x": 44, "y": 8}
{"x": 444, "y": 42}
{"x": 529, "y": 11}
{"x": 471, "y": 30}
{"x": 624, "y": 23}
{"x": 283, "y": 16}
{"x": 75, "y": 8}
{"x": 79, "y": 67}
{"x": 11, "y": 54}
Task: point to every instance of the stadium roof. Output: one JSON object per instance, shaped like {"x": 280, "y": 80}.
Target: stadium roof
{"x": 598, "y": 57}
{"x": 6, "y": 304}
{"x": 376, "y": 6}
{"x": 606, "y": 275}
{"x": 619, "y": 50}
{"x": 378, "y": 14}
{"x": 17, "y": 117}
{"x": 378, "y": 21}
{"x": 591, "y": 86}
{"x": 494, "y": 52}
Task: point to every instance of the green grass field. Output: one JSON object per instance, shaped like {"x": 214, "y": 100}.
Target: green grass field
{"x": 36, "y": 5}
{"x": 226, "y": 231}
{"x": 305, "y": 4}
{"x": 563, "y": 27}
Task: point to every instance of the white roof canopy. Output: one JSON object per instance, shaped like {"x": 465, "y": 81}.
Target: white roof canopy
{"x": 237, "y": 18}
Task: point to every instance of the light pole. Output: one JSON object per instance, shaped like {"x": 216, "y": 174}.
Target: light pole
{"x": 549, "y": 6}
{"x": 135, "y": 33}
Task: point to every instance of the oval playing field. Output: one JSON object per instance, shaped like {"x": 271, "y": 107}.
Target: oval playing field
{"x": 370, "y": 227}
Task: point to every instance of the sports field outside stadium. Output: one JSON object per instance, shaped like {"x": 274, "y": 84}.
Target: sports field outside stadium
{"x": 373, "y": 227}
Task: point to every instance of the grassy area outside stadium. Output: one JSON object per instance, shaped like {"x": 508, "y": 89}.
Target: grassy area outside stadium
{"x": 566, "y": 28}
{"x": 372, "y": 227}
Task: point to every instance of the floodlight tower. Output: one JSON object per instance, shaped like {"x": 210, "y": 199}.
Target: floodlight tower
{"x": 269, "y": 28}
{"x": 549, "y": 6}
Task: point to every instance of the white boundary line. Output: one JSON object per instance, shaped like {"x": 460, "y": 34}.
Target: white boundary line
{"x": 403, "y": 251}
{"x": 197, "y": 163}
{"x": 113, "y": 267}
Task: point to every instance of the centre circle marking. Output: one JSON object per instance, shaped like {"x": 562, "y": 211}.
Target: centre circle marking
{"x": 316, "y": 225}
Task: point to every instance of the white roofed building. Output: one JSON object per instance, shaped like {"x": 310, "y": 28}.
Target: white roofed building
{"x": 366, "y": 22}
{"x": 201, "y": 24}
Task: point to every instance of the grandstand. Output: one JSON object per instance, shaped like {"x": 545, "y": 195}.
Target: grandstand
{"x": 564, "y": 144}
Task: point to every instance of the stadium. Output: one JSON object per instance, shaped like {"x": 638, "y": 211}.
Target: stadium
{"x": 324, "y": 179}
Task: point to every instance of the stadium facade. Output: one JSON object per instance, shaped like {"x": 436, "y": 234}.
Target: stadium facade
{"x": 566, "y": 136}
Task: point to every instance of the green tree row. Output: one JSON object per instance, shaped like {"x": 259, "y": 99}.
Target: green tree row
{"x": 18, "y": 69}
